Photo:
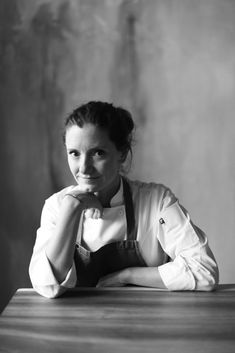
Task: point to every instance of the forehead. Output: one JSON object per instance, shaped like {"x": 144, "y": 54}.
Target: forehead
{"x": 88, "y": 136}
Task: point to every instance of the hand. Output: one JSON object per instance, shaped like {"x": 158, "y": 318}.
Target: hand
{"x": 115, "y": 279}
{"x": 89, "y": 202}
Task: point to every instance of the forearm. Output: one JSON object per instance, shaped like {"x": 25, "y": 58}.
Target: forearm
{"x": 139, "y": 276}
{"x": 144, "y": 276}
{"x": 60, "y": 248}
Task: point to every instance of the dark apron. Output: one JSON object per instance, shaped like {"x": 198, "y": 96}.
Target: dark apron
{"x": 112, "y": 257}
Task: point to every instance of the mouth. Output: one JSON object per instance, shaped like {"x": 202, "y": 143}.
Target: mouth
{"x": 87, "y": 178}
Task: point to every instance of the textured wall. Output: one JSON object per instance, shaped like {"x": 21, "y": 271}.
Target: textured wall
{"x": 171, "y": 62}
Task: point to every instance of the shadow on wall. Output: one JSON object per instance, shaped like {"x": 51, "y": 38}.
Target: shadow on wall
{"x": 7, "y": 290}
{"x": 14, "y": 255}
{"x": 31, "y": 104}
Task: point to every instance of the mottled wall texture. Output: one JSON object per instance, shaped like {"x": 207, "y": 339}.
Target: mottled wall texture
{"x": 171, "y": 62}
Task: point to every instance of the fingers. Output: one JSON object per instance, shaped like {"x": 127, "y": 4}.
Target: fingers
{"x": 97, "y": 214}
{"x": 89, "y": 202}
{"x": 115, "y": 279}
{"x": 94, "y": 213}
{"x": 106, "y": 282}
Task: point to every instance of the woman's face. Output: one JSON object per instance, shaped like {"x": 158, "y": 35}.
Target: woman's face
{"x": 93, "y": 159}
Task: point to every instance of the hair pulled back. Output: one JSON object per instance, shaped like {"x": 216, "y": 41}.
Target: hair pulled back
{"x": 116, "y": 121}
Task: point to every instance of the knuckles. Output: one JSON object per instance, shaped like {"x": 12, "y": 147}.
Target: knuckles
{"x": 90, "y": 202}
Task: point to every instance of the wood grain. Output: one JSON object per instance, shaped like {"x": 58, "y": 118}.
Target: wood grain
{"x": 129, "y": 320}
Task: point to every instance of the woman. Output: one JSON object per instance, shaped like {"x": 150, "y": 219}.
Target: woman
{"x": 108, "y": 230}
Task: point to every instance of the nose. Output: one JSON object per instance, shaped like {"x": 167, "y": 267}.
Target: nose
{"x": 85, "y": 164}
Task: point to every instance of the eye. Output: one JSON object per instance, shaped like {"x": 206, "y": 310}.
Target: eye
{"x": 99, "y": 153}
{"x": 73, "y": 153}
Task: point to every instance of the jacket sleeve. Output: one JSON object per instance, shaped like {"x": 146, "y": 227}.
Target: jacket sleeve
{"x": 40, "y": 270}
{"x": 192, "y": 265}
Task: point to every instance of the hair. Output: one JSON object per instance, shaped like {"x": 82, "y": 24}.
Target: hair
{"x": 116, "y": 121}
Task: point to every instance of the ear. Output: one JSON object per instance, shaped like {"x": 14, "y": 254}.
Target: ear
{"x": 123, "y": 156}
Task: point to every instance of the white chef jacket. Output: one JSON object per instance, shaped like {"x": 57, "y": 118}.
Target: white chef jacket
{"x": 164, "y": 232}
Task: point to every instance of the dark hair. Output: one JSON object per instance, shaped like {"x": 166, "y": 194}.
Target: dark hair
{"x": 116, "y": 121}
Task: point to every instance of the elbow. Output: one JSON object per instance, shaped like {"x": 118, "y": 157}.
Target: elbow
{"x": 214, "y": 280}
{"x": 208, "y": 282}
{"x": 50, "y": 291}
{"x": 213, "y": 284}
{"x": 192, "y": 275}
{"x": 44, "y": 281}
{"x": 45, "y": 287}
{"x": 210, "y": 287}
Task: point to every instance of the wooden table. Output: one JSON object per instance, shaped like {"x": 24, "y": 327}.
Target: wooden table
{"x": 127, "y": 319}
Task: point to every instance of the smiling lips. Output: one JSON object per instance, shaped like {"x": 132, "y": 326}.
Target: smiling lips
{"x": 87, "y": 178}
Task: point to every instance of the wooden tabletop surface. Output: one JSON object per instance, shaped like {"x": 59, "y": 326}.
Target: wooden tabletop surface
{"x": 129, "y": 319}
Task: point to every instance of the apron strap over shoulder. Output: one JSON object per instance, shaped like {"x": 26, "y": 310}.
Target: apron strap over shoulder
{"x": 130, "y": 214}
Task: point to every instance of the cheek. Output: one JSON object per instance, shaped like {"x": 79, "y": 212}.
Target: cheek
{"x": 71, "y": 166}
{"x": 113, "y": 167}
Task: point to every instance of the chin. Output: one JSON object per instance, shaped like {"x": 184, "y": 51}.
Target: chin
{"x": 89, "y": 187}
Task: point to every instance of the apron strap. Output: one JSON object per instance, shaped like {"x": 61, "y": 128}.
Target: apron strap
{"x": 130, "y": 214}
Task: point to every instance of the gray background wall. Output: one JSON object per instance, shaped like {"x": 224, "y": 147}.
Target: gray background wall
{"x": 171, "y": 62}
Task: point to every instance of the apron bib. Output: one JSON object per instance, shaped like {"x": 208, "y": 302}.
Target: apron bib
{"x": 112, "y": 257}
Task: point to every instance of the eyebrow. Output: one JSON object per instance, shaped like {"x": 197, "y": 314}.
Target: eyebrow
{"x": 91, "y": 149}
